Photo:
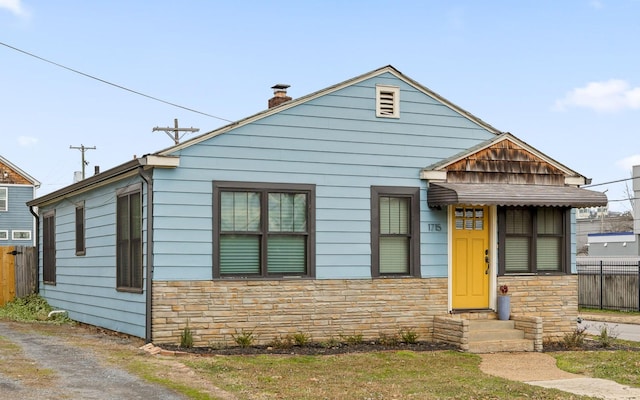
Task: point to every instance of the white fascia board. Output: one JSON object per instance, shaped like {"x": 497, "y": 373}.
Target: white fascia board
{"x": 574, "y": 180}
{"x": 433, "y": 175}
{"x": 160, "y": 161}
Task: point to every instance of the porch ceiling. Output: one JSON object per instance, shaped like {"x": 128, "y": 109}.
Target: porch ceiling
{"x": 502, "y": 194}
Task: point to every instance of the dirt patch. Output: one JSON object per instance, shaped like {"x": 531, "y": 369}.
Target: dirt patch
{"x": 63, "y": 362}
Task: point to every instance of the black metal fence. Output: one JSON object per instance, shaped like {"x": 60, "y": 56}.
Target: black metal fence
{"x": 609, "y": 284}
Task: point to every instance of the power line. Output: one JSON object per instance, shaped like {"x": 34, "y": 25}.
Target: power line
{"x": 112, "y": 84}
{"x": 620, "y": 200}
{"x": 606, "y": 183}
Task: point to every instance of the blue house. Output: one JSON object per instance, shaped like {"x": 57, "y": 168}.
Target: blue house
{"x": 17, "y": 224}
{"x": 363, "y": 208}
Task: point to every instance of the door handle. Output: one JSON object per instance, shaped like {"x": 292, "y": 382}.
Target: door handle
{"x": 486, "y": 260}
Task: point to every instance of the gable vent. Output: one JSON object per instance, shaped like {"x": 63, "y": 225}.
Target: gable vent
{"x": 387, "y": 101}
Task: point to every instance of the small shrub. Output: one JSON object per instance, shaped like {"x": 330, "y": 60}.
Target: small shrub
{"x": 186, "y": 338}
{"x": 217, "y": 345}
{"x": 244, "y": 338}
{"x": 575, "y": 338}
{"x": 32, "y": 308}
{"x": 388, "y": 340}
{"x": 301, "y": 338}
{"x": 356, "y": 338}
{"x": 282, "y": 342}
{"x": 607, "y": 336}
{"x": 331, "y": 343}
{"x": 409, "y": 336}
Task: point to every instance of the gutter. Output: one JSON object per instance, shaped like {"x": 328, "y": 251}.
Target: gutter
{"x": 37, "y": 237}
{"x": 139, "y": 166}
{"x": 147, "y": 176}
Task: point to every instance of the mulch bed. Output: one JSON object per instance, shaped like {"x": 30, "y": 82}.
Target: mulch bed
{"x": 345, "y": 348}
{"x": 588, "y": 345}
{"x": 313, "y": 348}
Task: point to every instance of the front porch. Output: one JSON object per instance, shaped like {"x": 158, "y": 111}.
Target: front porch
{"x": 484, "y": 333}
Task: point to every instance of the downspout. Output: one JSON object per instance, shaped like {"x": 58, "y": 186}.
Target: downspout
{"x": 148, "y": 178}
{"x": 37, "y": 233}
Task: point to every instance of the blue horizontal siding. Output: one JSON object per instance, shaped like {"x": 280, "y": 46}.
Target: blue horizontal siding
{"x": 17, "y": 217}
{"x": 333, "y": 141}
{"x": 86, "y": 285}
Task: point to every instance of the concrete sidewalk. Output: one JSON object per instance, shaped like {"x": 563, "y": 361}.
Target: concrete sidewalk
{"x": 594, "y": 387}
{"x": 601, "y": 388}
{"x": 540, "y": 369}
{"x": 612, "y": 318}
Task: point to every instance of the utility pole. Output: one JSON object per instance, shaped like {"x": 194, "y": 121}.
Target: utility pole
{"x": 176, "y": 131}
{"x": 83, "y": 149}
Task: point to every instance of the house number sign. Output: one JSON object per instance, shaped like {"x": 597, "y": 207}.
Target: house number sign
{"x": 434, "y": 227}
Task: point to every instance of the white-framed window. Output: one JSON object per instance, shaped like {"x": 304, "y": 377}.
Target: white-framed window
{"x": 21, "y": 235}
{"x": 4, "y": 199}
{"x": 4, "y": 235}
{"x": 387, "y": 101}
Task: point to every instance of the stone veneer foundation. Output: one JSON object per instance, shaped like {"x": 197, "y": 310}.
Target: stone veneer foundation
{"x": 326, "y": 309}
{"x": 552, "y": 297}
{"x": 322, "y": 309}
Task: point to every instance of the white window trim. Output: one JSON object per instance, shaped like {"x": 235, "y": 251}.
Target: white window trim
{"x": 382, "y": 96}
{"x": 4, "y": 235}
{"x": 4, "y": 197}
{"x": 13, "y": 235}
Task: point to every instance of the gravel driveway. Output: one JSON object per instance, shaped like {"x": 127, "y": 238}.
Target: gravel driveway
{"x": 50, "y": 366}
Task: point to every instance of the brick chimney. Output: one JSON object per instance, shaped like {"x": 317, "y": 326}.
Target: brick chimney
{"x": 279, "y": 95}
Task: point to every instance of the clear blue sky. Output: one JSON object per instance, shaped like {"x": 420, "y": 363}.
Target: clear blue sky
{"x": 564, "y": 76}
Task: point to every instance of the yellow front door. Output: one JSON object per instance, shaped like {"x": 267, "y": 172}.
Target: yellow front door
{"x": 470, "y": 263}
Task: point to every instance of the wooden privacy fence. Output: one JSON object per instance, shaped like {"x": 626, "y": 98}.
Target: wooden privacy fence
{"x": 609, "y": 284}
{"x": 18, "y": 272}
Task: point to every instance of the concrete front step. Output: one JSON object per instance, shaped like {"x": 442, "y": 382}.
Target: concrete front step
{"x": 497, "y": 346}
{"x": 490, "y": 336}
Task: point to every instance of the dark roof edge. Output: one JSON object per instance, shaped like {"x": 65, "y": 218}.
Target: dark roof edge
{"x": 148, "y": 161}
{"x": 504, "y": 194}
{"x": 351, "y": 81}
{"x": 22, "y": 173}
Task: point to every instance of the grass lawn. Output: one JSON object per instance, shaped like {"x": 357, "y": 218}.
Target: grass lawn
{"x": 376, "y": 375}
{"x": 372, "y": 375}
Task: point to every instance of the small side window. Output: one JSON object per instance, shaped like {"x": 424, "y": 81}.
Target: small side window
{"x": 21, "y": 235}
{"x": 49, "y": 248}
{"x": 4, "y": 199}
{"x": 80, "y": 240}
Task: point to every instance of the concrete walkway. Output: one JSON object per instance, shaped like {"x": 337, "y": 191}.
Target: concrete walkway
{"x": 540, "y": 369}
{"x": 600, "y": 388}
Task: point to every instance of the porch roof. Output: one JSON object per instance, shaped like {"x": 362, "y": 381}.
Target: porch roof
{"x": 503, "y": 194}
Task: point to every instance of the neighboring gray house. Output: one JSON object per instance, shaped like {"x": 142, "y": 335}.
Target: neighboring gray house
{"x": 17, "y": 224}
{"x": 620, "y": 244}
{"x": 369, "y": 206}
